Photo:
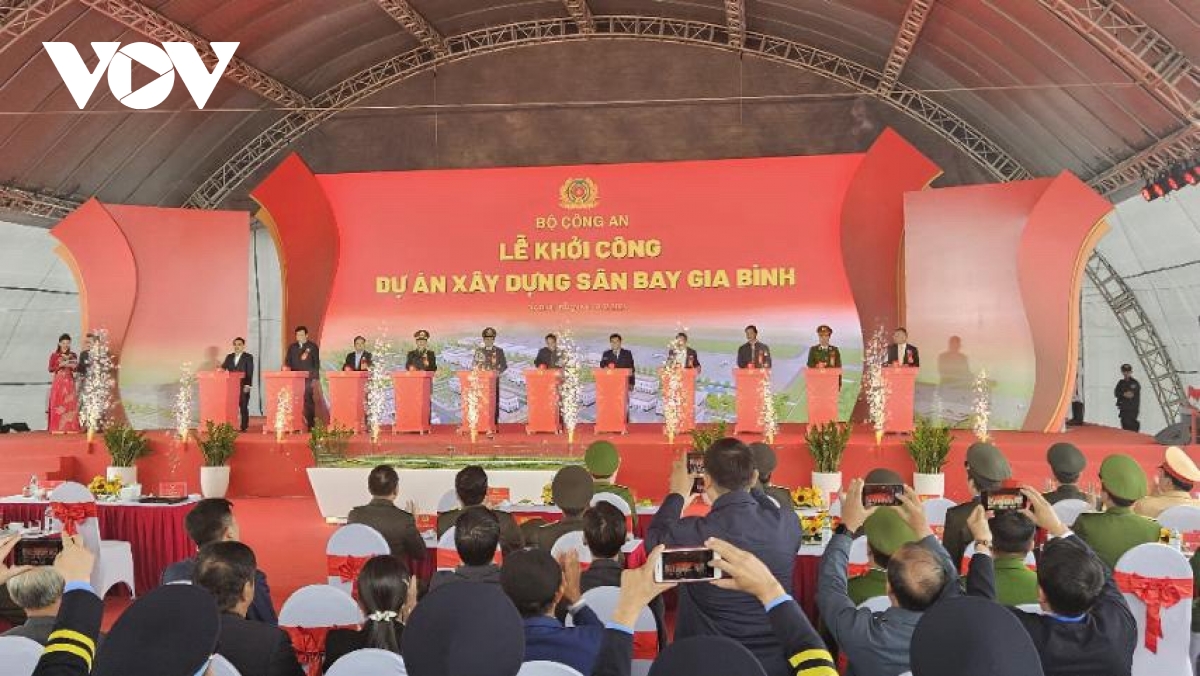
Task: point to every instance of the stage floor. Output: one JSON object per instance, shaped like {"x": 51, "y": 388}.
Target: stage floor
{"x": 263, "y": 467}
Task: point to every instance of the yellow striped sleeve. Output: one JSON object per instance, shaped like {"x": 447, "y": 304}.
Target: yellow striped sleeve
{"x": 68, "y": 635}
{"x": 73, "y": 649}
{"x": 813, "y": 662}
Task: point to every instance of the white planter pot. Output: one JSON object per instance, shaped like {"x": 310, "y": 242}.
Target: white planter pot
{"x": 214, "y": 481}
{"x": 829, "y": 483}
{"x": 929, "y": 484}
{"x": 128, "y": 475}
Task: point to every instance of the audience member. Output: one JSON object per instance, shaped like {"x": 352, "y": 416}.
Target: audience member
{"x": 1117, "y": 529}
{"x": 602, "y": 461}
{"x": 387, "y": 595}
{"x": 39, "y": 593}
{"x": 226, "y": 570}
{"x": 471, "y": 486}
{"x": 748, "y": 520}
{"x": 970, "y": 636}
{"x": 398, "y": 527}
{"x": 917, "y": 575}
{"x": 604, "y": 534}
{"x": 212, "y": 520}
{"x": 464, "y": 630}
{"x": 765, "y": 462}
{"x": 987, "y": 469}
{"x": 536, "y": 583}
{"x": 1011, "y": 534}
{"x": 1177, "y": 478}
{"x": 476, "y": 536}
{"x": 1067, "y": 463}
{"x": 1086, "y": 626}
{"x": 886, "y": 533}
{"x": 572, "y": 492}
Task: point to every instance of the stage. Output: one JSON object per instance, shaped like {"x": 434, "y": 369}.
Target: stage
{"x": 263, "y": 467}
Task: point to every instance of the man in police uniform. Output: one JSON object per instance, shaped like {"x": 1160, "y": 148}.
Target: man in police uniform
{"x": 765, "y": 462}
{"x": 1067, "y": 463}
{"x": 547, "y": 357}
{"x": 572, "y": 493}
{"x": 886, "y": 532}
{"x": 823, "y": 354}
{"x": 987, "y": 469}
{"x": 1177, "y": 477}
{"x": 753, "y": 352}
{"x": 1117, "y": 529}
{"x": 1129, "y": 399}
{"x": 602, "y": 461}
{"x": 491, "y": 358}
{"x": 422, "y": 358}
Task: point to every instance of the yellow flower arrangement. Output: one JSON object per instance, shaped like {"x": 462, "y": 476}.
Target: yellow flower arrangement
{"x": 101, "y": 487}
{"x": 547, "y": 495}
{"x": 808, "y": 496}
{"x": 810, "y": 524}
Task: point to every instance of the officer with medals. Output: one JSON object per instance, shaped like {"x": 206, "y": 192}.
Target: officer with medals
{"x": 491, "y": 358}
{"x": 1117, "y": 529}
{"x": 824, "y": 355}
{"x": 422, "y": 358}
{"x": 602, "y": 461}
{"x": 1177, "y": 478}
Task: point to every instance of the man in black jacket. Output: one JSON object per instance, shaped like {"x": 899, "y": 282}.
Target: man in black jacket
{"x": 304, "y": 356}
{"x": 618, "y": 357}
{"x": 226, "y": 570}
{"x": 547, "y": 357}
{"x": 752, "y": 353}
{"x": 359, "y": 359}
{"x": 397, "y": 526}
{"x": 242, "y": 362}
{"x": 471, "y": 487}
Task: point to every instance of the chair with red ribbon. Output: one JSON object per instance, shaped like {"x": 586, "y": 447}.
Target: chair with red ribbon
{"x": 348, "y": 550}
{"x": 859, "y": 558}
{"x": 573, "y": 541}
{"x": 618, "y": 502}
{"x": 935, "y": 514}
{"x": 74, "y": 512}
{"x": 310, "y": 614}
{"x": 1157, "y": 583}
{"x": 603, "y": 602}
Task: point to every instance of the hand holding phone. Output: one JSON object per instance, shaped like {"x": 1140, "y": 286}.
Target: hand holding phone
{"x": 687, "y": 564}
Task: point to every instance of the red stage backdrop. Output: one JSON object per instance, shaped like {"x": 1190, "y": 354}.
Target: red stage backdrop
{"x": 170, "y": 285}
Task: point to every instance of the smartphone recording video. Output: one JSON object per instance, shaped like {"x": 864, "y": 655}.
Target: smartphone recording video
{"x": 1004, "y": 500}
{"x": 695, "y": 468}
{"x": 692, "y": 564}
{"x": 882, "y": 495}
{"x": 36, "y": 552}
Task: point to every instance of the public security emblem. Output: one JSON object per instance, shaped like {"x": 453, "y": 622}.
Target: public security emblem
{"x": 579, "y": 193}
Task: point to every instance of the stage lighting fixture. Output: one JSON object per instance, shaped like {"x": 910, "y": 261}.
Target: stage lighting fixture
{"x": 1148, "y": 192}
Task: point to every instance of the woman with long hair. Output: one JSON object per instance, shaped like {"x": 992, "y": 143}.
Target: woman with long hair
{"x": 386, "y": 594}
{"x": 62, "y": 410}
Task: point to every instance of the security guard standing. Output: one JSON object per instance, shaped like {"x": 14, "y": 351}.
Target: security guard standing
{"x": 1117, "y": 529}
{"x": 602, "y": 461}
{"x": 987, "y": 469}
{"x": 1177, "y": 477}
{"x": 886, "y": 532}
{"x": 422, "y": 358}
{"x": 765, "y": 462}
{"x": 572, "y": 493}
{"x": 1129, "y": 399}
{"x": 1067, "y": 463}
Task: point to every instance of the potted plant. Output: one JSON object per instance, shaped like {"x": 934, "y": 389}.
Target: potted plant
{"x": 328, "y": 442}
{"x": 125, "y": 445}
{"x": 703, "y": 436}
{"x": 216, "y": 445}
{"x": 929, "y": 447}
{"x": 827, "y": 442}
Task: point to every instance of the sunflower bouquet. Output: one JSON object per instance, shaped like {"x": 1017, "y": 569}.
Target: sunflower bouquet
{"x": 547, "y": 495}
{"x": 105, "y": 488}
{"x": 807, "y": 497}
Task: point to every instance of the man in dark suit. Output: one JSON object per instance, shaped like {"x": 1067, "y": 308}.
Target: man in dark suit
{"x": 604, "y": 533}
{"x": 39, "y": 593}
{"x": 691, "y": 360}
{"x": 476, "y": 539}
{"x": 618, "y": 357}
{"x": 397, "y": 526}
{"x": 242, "y": 362}
{"x": 752, "y": 352}
{"x": 422, "y": 358}
{"x": 211, "y": 520}
{"x": 226, "y": 570}
{"x": 471, "y": 486}
{"x": 359, "y": 359}
{"x": 748, "y": 520}
{"x": 901, "y": 352}
{"x": 547, "y": 357}
{"x": 304, "y": 355}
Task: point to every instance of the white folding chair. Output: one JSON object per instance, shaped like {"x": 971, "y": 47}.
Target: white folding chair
{"x": 317, "y": 606}
{"x": 614, "y": 500}
{"x": 1157, "y": 561}
{"x": 859, "y": 557}
{"x": 368, "y": 662}
{"x": 835, "y": 510}
{"x": 572, "y": 541}
{"x": 348, "y": 549}
{"x": 1070, "y": 509}
{"x": 114, "y": 558}
{"x": 222, "y": 667}
{"x": 876, "y": 604}
{"x": 603, "y": 602}
{"x": 543, "y": 668}
{"x": 19, "y": 655}
{"x": 1183, "y": 518}
{"x": 935, "y": 514}
{"x": 448, "y": 502}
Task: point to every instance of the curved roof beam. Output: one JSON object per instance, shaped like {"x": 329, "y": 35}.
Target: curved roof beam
{"x": 1179, "y": 146}
{"x": 18, "y": 17}
{"x": 416, "y": 25}
{"x": 36, "y": 204}
{"x": 906, "y": 39}
{"x": 735, "y": 22}
{"x": 159, "y": 28}
{"x": 581, "y": 14}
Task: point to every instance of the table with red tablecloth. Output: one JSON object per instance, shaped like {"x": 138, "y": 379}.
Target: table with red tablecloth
{"x": 155, "y": 532}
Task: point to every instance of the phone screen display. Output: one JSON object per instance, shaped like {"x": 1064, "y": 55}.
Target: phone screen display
{"x": 1004, "y": 500}
{"x": 688, "y": 565}
{"x": 36, "y": 552}
{"x": 882, "y": 495}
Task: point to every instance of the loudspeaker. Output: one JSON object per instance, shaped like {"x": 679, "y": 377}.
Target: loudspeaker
{"x": 1178, "y": 434}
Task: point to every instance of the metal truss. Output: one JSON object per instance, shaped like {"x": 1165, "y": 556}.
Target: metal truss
{"x": 416, "y": 25}
{"x": 1151, "y": 352}
{"x": 582, "y": 14}
{"x": 36, "y": 204}
{"x": 1182, "y": 145}
{"x": 18, "y": 17}
{"x": 906, "y": 39}
{"x": 159, "y": 28}
{"x": 735, "y": 19}
{"x": 1142, "y": 52}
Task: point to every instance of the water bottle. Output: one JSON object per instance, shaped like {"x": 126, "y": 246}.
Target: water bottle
{"x": 47, "y": 520}
{"x": 31, "y": 488}
{"x": 1176, "y": 540}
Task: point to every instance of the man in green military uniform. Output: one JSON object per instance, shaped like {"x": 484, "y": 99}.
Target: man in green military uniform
{"x": 765, "y": 462}
{"x": 823, "y": 354}
{"x": 987, "y": 469}
{"x": 572, "y": 493}
{"x": 602, "y": 461}
{"x": 1117, "y": 529}
{"x": 886, "y": 532}
{"x": 1067, "y": 463}
{"x": 1011, "y": 534}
